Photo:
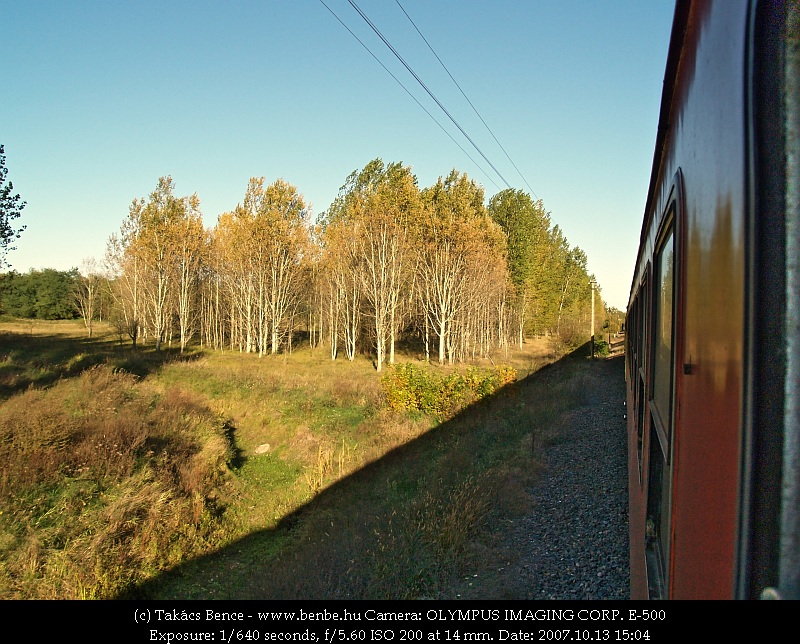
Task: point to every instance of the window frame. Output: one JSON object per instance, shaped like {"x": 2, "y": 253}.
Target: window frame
{"x": 660, "y": 465}
{"x": 663, "y": 419}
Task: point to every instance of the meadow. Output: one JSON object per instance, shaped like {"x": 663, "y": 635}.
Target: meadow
{"x": 204, "y": 474}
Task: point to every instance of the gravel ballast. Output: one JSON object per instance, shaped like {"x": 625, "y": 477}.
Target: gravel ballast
{"x": 573, "y": 542}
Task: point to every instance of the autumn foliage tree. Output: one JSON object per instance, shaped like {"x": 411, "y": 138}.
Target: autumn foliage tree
{"x": 262, "y": 247}
{"x": 191, "y": 259}
{"x": 461, "y": 266}
{"x": 154, "y": 260}
{"x": 370, "y": 228}
{"x": 87, "y": 292}
{"x": 386, "y": 261}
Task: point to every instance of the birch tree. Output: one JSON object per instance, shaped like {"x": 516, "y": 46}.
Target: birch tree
{"x": 124, "y": 270}
{"x": 265, "y": 244}
{"x": 454, "y": 210}
{"x": 233, "y": 252}
{"x": 375, "y": 207}
{"x": 342, "y": 270}
{"x": 191, "y": 249}
{"x": 288, "y": 225}
{"x": 87, "y": 293}
{"x": 150, "y": 256}
{"x": 278, "y": 221}
{"x": 160, "y": 219}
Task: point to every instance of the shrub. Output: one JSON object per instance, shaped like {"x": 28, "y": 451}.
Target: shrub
{"x": 407, "y": 387}
{"x": 601, "y": 348}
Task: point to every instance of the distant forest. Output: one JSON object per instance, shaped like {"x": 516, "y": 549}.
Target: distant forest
{"x": 40, "y": 294}
{"x": 388, "y": 262}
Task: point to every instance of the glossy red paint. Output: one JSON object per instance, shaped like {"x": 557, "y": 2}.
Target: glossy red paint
{"x": 699, "y": 191}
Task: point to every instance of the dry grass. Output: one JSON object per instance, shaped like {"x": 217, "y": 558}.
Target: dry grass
{"x": 116, "y": 466}
{"x": 104, "y": 484}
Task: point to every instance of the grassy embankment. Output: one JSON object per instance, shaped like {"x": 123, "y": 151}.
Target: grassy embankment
{"x": 223, "y": 475}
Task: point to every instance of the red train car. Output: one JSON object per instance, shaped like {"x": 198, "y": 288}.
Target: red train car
{"x": 713, "y": 320}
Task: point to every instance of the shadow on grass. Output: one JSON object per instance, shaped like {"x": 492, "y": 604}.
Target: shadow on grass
{"x": 405, "y": 525}
{"x": 40, "y": 360}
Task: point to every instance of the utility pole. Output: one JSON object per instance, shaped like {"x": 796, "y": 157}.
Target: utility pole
{"x": 592, "y": 284}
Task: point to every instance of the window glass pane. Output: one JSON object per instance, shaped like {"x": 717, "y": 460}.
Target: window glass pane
{"x": 662, "y": 364}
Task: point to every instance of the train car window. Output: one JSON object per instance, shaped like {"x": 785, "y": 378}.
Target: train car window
{"x": 639, "y": 370}
{"x": 633, "y": 337}
{"x": 644, "y": 339}
{"x": 659, "y": 474}
{"x": 643, "y": 318}
{"x": 658, "y": 520}
{"x": 638, "y": 343}
{"x": 640, "y": 417}
{"x": 662, "y": 338}
{"x": 629, "y": 342}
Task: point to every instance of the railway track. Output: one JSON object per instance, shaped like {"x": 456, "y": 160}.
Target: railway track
{"x": 616, "y": 346}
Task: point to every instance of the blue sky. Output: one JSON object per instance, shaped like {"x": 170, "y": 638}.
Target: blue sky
{"x": 103, "y": 98}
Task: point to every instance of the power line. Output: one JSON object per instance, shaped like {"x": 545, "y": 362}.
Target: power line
{"x": 388, "y": 71}
{"x": 425, "y": 87}
{"x": 466, "y": 97}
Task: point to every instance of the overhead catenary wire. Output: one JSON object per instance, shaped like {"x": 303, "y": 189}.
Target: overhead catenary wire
{"x": 466, "y": 97}
{"x": 427, "y": 89}
{"x": 388, "y": 71}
